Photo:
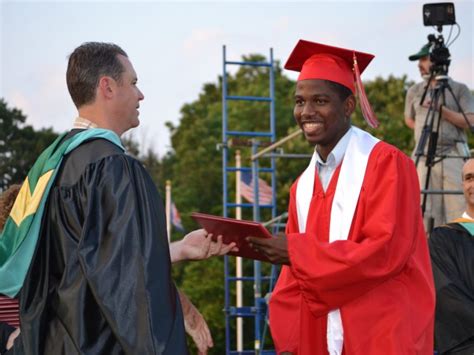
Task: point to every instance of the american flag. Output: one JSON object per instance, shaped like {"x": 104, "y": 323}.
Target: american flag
{"x": 246, "y": 189}
{"x": 176, "y": 218}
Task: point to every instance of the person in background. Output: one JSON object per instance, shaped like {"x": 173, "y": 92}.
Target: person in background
{"x": 452, "y": 141}
{"x": 452, "y": 257}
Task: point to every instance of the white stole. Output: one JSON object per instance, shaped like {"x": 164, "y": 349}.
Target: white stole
{"x": 350, "y": 180}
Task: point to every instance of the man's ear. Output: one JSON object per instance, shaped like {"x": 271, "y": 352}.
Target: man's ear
{"x": 349, "y": 105}
{"x": 106, "y": 87}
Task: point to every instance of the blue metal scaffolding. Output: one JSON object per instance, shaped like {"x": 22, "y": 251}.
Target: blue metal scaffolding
{"x": 258, "y": 311}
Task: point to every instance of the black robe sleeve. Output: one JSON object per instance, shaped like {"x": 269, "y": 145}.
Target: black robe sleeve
{"x": 452, "y": 257}
{"x": 124, "y": 256}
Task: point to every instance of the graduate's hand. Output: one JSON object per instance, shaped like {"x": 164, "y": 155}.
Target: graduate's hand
{"x": 12, "y": 338}
{"x": 427, "y": 104}
{"x": 196, "y": 325}
{"x": 275, "y": 249}
{"x": 199, "y": 245}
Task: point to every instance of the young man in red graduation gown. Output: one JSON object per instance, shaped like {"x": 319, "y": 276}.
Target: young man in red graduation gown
{"x": 356, "y": 277}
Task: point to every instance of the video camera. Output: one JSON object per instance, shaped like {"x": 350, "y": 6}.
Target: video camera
{"x": 439, "y": 14}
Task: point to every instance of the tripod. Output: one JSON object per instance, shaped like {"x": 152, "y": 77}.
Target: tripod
{"x": 430, "y": 134}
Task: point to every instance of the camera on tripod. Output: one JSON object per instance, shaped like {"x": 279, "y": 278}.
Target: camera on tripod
{"x": 439, "y": 55}
{"x": 438, "y": 86}
{"x": 439, "y": 14}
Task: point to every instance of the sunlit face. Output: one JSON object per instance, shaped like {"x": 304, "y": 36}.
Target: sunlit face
{"x": 468, "y": 182}
{"x": 424, "y": 65}
{"x": 127, "y": 97}
{"x": 321, "y": 114}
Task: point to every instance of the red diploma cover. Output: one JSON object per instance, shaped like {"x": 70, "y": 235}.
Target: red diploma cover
{"x": 234, "y": 230}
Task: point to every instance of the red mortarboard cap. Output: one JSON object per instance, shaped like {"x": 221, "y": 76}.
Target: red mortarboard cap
{"x": 320, "y": 61}
{"x": 340, "y": 65}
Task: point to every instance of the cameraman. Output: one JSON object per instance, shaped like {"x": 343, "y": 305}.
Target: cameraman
{"x": 452, "y": 140}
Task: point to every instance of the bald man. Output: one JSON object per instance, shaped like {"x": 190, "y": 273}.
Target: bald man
{"x": 468, "y": 188}
{"x": 452, "y": 257}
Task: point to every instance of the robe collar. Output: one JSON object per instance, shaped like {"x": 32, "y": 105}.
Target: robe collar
{"x": 465, "y": 215}
{"x": 360, "y": 144}
{"x": 466, "y": 222}
{"x": 335, "y": 156}
{"x": 83, "y": 123}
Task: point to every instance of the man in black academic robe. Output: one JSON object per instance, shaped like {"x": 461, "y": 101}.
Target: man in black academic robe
{"x": 98, "y": 284}
{"x": 100, "y": 279}
{"x": 452, "y": 257}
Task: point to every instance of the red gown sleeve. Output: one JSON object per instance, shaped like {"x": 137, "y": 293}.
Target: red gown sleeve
{"x": 386, "y": 223}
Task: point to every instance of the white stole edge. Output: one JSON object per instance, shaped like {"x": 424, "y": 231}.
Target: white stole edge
{"x": 347, "y": 193}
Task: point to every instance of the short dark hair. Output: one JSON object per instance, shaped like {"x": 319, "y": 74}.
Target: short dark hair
{"x": 342, "y": 91}
{"x": 87, "y": 64}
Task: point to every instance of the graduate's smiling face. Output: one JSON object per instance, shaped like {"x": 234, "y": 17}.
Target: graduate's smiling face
{"x": 322, "y": 114}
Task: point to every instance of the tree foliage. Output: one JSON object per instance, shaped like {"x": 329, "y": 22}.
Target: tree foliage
{"x": 20, "y": 145}
{"x": 387, "y": 97}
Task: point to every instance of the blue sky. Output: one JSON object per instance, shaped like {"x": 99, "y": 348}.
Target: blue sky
{"x": 176, "y": 46}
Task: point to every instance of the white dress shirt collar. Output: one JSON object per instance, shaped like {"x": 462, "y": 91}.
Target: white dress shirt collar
{"x": 326, "y": 169}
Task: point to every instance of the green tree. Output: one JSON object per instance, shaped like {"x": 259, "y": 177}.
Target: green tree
{"x": 196, "y": 169}
{"x": 20, "y": 145}
{"x": 387, "y": 97}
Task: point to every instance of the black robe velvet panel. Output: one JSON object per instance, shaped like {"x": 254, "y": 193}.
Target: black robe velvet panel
{"x": 452, "y": 257}
{"x": 100, "y": 281}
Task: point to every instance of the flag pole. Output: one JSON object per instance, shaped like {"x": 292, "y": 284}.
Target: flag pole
{"x": 168, "y": 209}
{"x": 238, "y": 260}
{"x": 276, "y": 144}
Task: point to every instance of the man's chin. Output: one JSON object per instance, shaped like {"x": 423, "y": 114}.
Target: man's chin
{"x": 135, "y": 123}
{"x": 312, "y": 139}
{"x": 312, "y": 142}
